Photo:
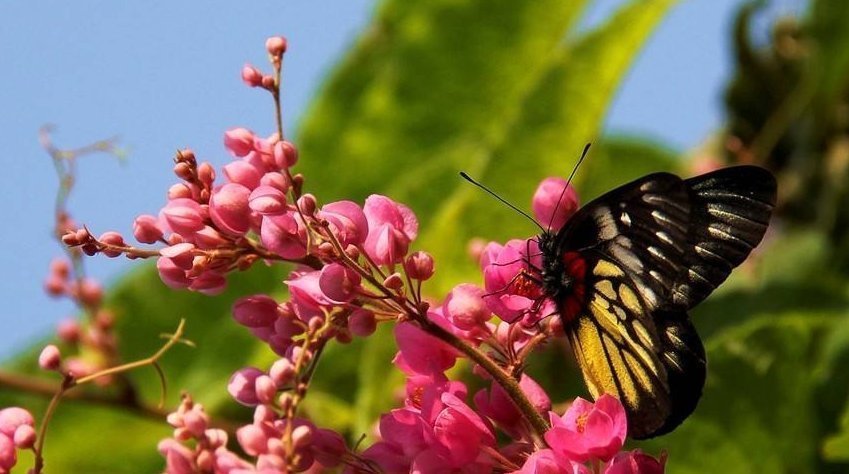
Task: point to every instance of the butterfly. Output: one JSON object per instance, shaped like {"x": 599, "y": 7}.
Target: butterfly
{"x": 625, "y": 269}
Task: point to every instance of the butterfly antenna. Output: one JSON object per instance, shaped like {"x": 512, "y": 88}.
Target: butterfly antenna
{"x": 568, "y": 182}
{"x": 503, "y": 201}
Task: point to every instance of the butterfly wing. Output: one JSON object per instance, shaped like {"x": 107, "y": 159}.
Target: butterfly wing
{"x": 653, "y": 249}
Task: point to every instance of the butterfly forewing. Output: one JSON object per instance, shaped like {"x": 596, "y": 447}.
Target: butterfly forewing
{"x": 652, "y": 249}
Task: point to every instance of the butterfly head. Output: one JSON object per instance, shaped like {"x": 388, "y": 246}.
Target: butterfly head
{"x": 556, "y": 281}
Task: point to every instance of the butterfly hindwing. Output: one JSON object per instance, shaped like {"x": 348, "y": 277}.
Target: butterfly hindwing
{"x": 653, "y": 249}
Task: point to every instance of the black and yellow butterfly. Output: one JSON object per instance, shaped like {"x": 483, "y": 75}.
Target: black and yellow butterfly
{"x": 624, "y": 270}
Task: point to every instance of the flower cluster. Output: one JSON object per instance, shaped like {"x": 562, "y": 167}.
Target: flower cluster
{"x": 16, "y": 432}
{"x": 354, "y": 268}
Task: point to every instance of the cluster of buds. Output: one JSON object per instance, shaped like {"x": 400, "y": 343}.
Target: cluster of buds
{"x": 95, "y": 342}
{"x": 16, "y": 432}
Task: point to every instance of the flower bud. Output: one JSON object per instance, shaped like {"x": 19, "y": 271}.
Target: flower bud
{"x": 60, "y": 267}
{"x": 307, "y": 204}
{"x": 206, "y": 174}
{"x": 276, "y": 180}
{"x": 68, "y": 330}
{"x": 281, "y": 372}
{"x": 114, "y": 239}
{"x": 552, "y": 204}
{"x": 362, "y": 323}
{"x": 25, "y": 437}
{"x": 302, "y": 436}
{"x": 419, "y": 265}
{"x": 466, "y": 308}
{"x": 267, "y": 200}
{"x": 239, "y": 141}
{"x": 255, "y": 311}
{"x": 179, "y": 191}
{"x": 183, "y": 216}
{"x": 251, "y": 76}
{"x": 13, "y": 417}
{"x": 265, "y": 388}
{"x": 252, "y": 439}
{"x": 228, "y": 208}
{"x": 241, "y": 385}
{"x": 243, "y": 172}
{"x": 393, "y": 281}
{"x": 276, "y": 45}
{"x": 146, "y": 229}
{"x": 50, "y": 358}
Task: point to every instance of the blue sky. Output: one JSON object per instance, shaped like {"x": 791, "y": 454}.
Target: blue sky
{"x": 165, "y": 75}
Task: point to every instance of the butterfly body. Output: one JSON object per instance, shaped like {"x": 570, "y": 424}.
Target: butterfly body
{"x": 626, "y": 268}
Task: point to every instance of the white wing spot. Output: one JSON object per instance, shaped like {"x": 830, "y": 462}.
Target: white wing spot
{"x": 664, "y": 237}
{"x": 606, "y": 226}
{"x": 626, "y": 219}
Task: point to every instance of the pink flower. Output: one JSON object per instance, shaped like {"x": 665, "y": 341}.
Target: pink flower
{"x": 244, "y": 173}
{"x": 421, "y": 353}
{"x": 338, "y": 283}
{"x": 229, "y": 208}
{"x": 8, "y": 454}
{"x": 419, "y": 266}
{"x": 392, "y": 227}
{"x": 545, "y": 461}
{"x": 347, "y": 222}
{"x": 452, "y": 428}
{"x": 306, "y": 293}
{"x": 251, "y": 76}
{"x": 587, "y": 431}
{"x": 50, "y": 358}
{"x": 172, "y": 275}
{"x": 183, "y": 216}
{"x": 511, "y": 291}
{"x": 13, "y": 417}
{"x": 636, "y": 462}
{"x": 498, "y": 406}
{"x": 283, "y": 235}
{"x": 146, "y": 229}
{"x": 268, "y": 200}
{"x": 552, "y": 206}
{"x": 239, "y": 141}
{"x": 242, "y": 385}
{"x": 465, "y": 308}
{"x": 275, "y": 45}
{"x": 255, "y": 311}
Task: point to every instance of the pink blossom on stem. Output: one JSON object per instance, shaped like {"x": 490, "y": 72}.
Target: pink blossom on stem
{"x": 244, "y": 173}
{"x": 255, "y": 311}
{"x": 183, "y": 216}
{"x": 251, "y": 76}
{"x": 146, "y": 229}
{"x": 239, "y": 141}
{"x": 268, "y": 200}
{"x": 112, "y": 238}
{"x": 422, "y": 353}
{"x": 552, "y": 205}
{"x": 392, "y": 227}
{"x": 242, "y": 385}
{"x": 172, "y": 275}
{"x": 229, "y": 209}
{"x": 13, "y": 417}
{"x": 635, "y": 462}
{"x": 419, "y": 265}
{"x": 8, "y": 454}
{"x": 511, "y": 294}
{"x": 545, "y": 461}
{"x": 587, "y": 431}
{"x": 499, "y": 407}
{"x": 284, "y": 235}
{"x": 50, "y": 358}
{"x": 465, "y": 308}
{"x": 347, "y": 222}
{"x": 338, "y": 283}
{"x": 362, "y": 323}
{"x": 276, "y": 45}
